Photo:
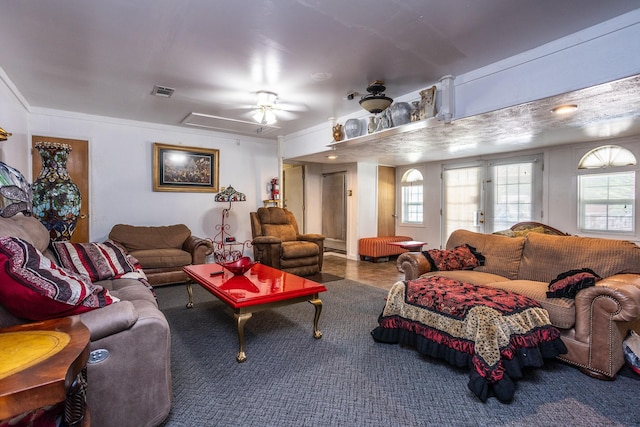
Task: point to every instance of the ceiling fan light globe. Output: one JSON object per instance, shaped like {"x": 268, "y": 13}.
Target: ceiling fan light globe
{"x": 269, "y": 117}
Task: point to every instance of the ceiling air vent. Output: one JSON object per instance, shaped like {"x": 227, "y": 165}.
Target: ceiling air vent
{"x": 163, "y": 91}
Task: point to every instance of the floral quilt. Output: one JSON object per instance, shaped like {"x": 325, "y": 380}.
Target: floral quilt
{"x": 494, "y": 332}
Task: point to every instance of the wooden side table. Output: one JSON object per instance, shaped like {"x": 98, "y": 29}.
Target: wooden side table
{"x": 44, "y": 363}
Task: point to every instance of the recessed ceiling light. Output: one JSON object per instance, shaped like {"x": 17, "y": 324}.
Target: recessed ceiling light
{"x": 332, "y": 157}
{"x": 565, "y": 109}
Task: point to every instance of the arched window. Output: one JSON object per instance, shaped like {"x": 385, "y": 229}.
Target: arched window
{"x": 607, "y": 199}
{"x": 607, "y": 156}
{"x": 412, "y": 197}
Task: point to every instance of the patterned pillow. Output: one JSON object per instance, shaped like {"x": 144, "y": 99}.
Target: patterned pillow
{"x": 99, "y": 261}
{"x": 463, "y": 257}
{"x": 567, "y": 284}
{"x": 35, "y": 288}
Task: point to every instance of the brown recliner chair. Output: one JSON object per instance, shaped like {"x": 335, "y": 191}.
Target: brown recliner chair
{"x": 277, "y": 243}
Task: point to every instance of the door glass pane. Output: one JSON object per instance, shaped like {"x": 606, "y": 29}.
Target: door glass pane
{"x": 511, "y": 195}
{"x": 461, "y": 200}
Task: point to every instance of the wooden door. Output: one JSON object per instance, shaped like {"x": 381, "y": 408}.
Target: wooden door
{"x": 386, "y": 201}
{"x": 78, "y": 167}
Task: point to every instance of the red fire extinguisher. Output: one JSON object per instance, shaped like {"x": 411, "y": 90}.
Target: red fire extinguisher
{"x": 275, "y": 189}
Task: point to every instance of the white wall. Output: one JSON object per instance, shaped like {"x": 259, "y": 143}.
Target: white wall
{"x": 120, "y": 155}
{"x": 560, "y": 190}
{"x": 14, "y": 118}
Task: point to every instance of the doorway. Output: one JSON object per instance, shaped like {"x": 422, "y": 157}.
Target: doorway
{"x": 386, "y": 201}
{"x": 293, "y": 193}
{"x": 334, "y": 211}
{"x": 78, "y": 167}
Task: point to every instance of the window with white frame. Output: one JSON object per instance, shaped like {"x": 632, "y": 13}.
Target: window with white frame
{"x": 412, "y": 197}
{"x": 606, "y": 200}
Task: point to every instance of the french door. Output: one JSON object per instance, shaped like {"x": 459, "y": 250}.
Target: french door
{"x": 491, "y": 195}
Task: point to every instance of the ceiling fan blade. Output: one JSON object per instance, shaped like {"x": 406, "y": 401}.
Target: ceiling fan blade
{"x": 287, "y": 106}
{"x": 285, "y": 115}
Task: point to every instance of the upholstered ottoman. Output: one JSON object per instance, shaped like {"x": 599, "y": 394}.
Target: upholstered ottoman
{"x": 378, "y": 247}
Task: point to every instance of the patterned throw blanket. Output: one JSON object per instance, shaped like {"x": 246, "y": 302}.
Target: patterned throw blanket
{"x": 495, "y": 332}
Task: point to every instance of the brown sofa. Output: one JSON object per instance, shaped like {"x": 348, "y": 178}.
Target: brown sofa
{"x": 162, "y": 250}
{"x": 132, "y": 386}
{"x": 278, "y": 244}
{"x": 594, "y": 324}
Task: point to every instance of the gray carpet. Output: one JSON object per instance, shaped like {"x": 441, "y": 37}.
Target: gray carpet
{"x": 347, "y": 379}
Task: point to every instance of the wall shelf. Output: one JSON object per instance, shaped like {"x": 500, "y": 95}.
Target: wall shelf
{"x": 390, "y": 132}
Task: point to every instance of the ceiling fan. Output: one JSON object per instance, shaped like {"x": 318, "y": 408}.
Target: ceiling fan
{"x": 267, "y": 110}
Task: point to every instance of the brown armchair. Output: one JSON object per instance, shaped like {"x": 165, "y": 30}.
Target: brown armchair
{"x": 277, "y": 243}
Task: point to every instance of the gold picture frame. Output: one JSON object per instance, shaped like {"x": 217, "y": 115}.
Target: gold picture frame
{"x": 185, "y": 169}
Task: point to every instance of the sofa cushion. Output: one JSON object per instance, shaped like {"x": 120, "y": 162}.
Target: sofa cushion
{"x": 97, "y": 260}
{"x": 162, "y": 258}
{"x": 133, "y": 238}
{"x": 33, "y": 287}
{"x": 562, "y": 311}
{"x": 469, "y": 276}
{"x": 546, "y": 256}
{"x": 463, "y": 257}
{"x": 568, "y": 284}
{"x": 502, "y": 254}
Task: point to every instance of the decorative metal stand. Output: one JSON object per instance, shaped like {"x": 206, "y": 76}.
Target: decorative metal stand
{"x": 226, "y": 249}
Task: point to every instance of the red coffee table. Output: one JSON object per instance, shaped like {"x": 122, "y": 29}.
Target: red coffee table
{"x": 260, "y": 288}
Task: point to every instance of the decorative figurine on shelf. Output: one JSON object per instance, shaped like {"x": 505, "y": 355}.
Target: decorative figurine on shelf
{"x": 373, "y": 125}
{"x": 337, "y": 133}
{"x": 428, "y": 101}
{"x": 415, "y": 111}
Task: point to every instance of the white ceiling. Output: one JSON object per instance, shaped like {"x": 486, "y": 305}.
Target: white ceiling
{"x": 104, "y": 57}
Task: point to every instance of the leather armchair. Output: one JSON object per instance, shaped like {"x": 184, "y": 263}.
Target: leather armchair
{"x": 278, "y": 244}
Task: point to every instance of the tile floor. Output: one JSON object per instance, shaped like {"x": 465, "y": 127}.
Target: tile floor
{"x": 382, "y": 274}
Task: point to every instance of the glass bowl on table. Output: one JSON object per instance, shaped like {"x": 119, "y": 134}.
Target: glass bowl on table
{"x": 239, "y": 266}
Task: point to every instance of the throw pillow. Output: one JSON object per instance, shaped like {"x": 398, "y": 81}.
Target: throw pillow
{"x": 99, "y": 261}
{"x": 567, "y": 284}
{"x": 34, "y": 288}
{"x": 463, "y": 257}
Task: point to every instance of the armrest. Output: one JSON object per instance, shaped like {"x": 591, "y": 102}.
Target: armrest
{"x": 110, "y": 320}
{"x": 266, "y": 240}
{"x": 615, "y": 298}
{"x": 198, "y": 248}
{"x": 413, "y": 265}
{"x": 311, "y": 237}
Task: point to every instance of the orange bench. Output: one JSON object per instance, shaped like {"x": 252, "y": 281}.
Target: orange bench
{"x": 378, "y": 247}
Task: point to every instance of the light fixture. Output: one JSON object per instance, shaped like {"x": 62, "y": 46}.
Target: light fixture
{"x": 264, "y": 107}
{"x": 264, "y": 115}
{"x": 376, "y": 101}
{"x": 565, "y": 109}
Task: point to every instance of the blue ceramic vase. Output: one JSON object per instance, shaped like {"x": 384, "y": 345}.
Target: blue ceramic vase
{"x": 56, "y": 198}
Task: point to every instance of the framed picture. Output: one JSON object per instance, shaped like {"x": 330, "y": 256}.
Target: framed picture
{"x": 188, "y": 169}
